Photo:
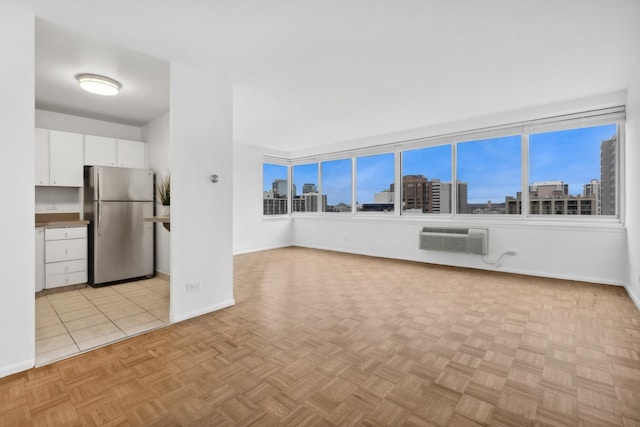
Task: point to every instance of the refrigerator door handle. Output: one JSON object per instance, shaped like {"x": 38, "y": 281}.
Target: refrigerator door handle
{"x": 99, "y": 217}
{"x": 99, "y": 184}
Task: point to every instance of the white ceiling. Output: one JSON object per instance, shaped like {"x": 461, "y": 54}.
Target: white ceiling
{"x": 315, "y": 72}
{"x": 61, "y": 54}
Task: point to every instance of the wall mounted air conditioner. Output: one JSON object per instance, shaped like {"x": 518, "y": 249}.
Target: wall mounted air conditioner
{"x": 462, "y": 240}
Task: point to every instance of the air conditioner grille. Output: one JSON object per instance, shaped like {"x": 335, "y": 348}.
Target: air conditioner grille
{"x": 461, "y": 240}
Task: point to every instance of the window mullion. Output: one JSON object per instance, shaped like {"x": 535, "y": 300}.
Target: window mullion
{"x": 454, "y": 179}
{"x": 397, "y": 179}
{"x": 353, "y": 186}
{"x": 524, "y": 199}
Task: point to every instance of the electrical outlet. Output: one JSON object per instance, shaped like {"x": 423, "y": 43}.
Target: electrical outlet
{"x": 193, "y": 287}
{"x": 53, "y": 206}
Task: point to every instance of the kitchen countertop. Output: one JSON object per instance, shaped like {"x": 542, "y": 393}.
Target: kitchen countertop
{"x": 165, "y": 220}
{"x": 59, "y": 220}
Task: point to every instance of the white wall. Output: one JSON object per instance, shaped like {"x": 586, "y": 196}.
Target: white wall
{"x": 157, "y": 135}
{"x": 58, "y": 199}
{"x": 201, "y": 144}
{"x": 587, "y": 253}
{"x": 632, "y": 157}
{"x": 69, "y": 123}
{"x": 251, "y": 230}
{"x": 17, "y": 314}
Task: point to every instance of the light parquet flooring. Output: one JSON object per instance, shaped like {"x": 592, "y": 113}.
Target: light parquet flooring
{"x": 322, "y": 338}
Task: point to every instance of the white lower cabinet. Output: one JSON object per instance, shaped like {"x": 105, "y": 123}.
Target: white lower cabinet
{"x": 65, "y": 256}
{"x": 40, "y": 270}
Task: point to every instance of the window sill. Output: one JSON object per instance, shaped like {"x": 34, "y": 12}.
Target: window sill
{"x": 501, "y": 221}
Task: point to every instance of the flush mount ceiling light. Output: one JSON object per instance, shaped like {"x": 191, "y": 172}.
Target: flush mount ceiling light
{"x": 99, "y": 85}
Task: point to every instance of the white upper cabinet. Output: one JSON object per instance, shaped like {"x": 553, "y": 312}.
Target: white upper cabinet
{"x": 66, "y": 156}
{"x": 114, "y": 152}
{"x": 42, "y": 157}
{"x": 59, "y": 158}
{"x": 100, "y": 151}
{"x": 131, "y": 154}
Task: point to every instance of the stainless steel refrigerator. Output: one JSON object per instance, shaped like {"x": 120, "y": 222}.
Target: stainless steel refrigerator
{"x": 116, "y": 201}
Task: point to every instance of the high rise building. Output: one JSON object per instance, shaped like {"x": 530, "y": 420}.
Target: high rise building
{"x": 415, "y": 190}
{"x": 280, "y": 187}
{"x": 608, "y": 150}
{"x": 309, "y": 188}
{"x": 592, "y": 189}
{"x": 440, "y": 196}
{"x": 463, "y": 206}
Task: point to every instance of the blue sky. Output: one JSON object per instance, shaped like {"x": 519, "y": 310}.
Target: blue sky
{"x": 490, "y": 167}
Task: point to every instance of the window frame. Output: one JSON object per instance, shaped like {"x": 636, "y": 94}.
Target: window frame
{"x": 589, "y": 118}
{"x": 277, "y": 161}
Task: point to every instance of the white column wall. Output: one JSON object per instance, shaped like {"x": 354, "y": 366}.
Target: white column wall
{"x": 157, "y": 135}
{"x": 251, "y": 230}
{"x": 632, "y": 196}
{"x": 201, "y": 144}
{"x": 17, "y": 249}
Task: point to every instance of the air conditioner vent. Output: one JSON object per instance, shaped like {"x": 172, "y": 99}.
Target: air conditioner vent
{"x": 462, "y": 240}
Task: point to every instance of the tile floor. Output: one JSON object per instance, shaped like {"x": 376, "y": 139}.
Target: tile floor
{"x": 77, "y": 320}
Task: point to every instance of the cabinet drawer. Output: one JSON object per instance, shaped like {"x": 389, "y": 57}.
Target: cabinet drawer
{"x": 57, "y": 280}
{"x": 66, "y": 267}
{"x": 65, "y": 250}
{"x": 65, "y": 233}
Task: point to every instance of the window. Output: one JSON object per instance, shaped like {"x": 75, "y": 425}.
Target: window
{"x": 426, "y": 180}
{"x": 275, "y": 187}
{"x": 305, "y": 192}
{"x": 573, "y": 172}
{"x": 542, "y": 167}
{"x": 488, "y": 175}
{"x": 336, "y": 185}
{"x": 374, "y": 183}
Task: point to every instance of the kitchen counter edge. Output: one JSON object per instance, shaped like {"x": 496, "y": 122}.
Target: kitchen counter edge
{"x": 62, "y": 224}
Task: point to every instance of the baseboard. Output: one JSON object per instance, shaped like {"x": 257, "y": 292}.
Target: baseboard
{"x": 162, "y": 275}
{"x": 633, "y": 297}
{"x": 201, "y": 311}
{"x": 17, "y": 367}
{"x": 266, "y": 248}
{"x": 537, "y": 273}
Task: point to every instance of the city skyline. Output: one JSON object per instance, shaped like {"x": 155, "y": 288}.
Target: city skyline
{"x": 490, "y": 167}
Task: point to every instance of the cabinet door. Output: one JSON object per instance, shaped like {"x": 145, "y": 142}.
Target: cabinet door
{"x": 131, "y": 154}
{"x": 42, "y": 156}
{"x": 40, "y": 268}
{"x": 99, "y": 150}
{"x": 66, "y": 159}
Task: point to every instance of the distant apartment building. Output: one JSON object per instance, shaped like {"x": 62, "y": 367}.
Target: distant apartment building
{"x": 273, "y": 203}
{"x": 608, "y": 151}
{"x": 553, "y": 198}
{"x": 422, "y": 195}
{"x": 463, "y": 204}
{"x": 592, "y": 189}
{"x": 385, "y": 196}
{"x": 309, "y": 188}
{"x": 415, "y": 193}
{"x": 308, "y": 202}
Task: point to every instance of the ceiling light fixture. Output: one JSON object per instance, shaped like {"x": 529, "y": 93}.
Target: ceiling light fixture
{"x": 99, "y": 85}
